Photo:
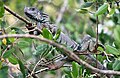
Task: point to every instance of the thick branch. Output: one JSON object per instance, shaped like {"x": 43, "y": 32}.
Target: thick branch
{"x": 69, "y": 53}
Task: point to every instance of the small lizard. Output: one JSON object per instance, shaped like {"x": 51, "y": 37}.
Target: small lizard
{"x": 42, "y": 20}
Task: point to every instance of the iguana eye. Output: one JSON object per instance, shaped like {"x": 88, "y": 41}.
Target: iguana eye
{"x": 32, "y": 9}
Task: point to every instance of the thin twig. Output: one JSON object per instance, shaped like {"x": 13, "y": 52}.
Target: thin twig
{"x": 35, "y": 66}
{"x": 88, "y": 53}
{"x": 5, "y": 50}
{"x": 67, "y": 52}
{"x": 39, "y": 71}
{"x": 45, "y": 69}
{"x": 29, "y": 71}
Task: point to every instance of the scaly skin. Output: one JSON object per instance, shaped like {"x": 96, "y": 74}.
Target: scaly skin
{"x": 42, "y": 20}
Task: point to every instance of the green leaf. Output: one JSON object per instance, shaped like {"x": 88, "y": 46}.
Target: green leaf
{"x": 86, "y": 5}
{"x": 2, "y": 11}
{"x": 100, "y": 48}
{"x": 13, "y": 60}
{"x": 4, "y": 72}
{"x": 42, "y": 50}
{"x": 75, "y": 69}
{"x": 3, "y": 24}
{"x": 17, "y": 30}
{"x": 47, "y": 34}
{"x": 112, "y": 11}
{"x": 102, "y": 9}
{"x": 117, "y": 34}
{"x": 46, "y": 52}
{"x": 68, "y": 73}
{"x": 82, "y": 11}
{"x": 116, "y": 65}
{"x": 8, "y": 53}
{"x": 67, "y": 76}
{"x": 22, "y": 68}
{"x": 80, "y": 71}
{"x": 12, "y": 39}
{"x": 116, "y": 18}
{"x": 23, "y": 44}
{"x": 57, "y": 34}
{"x": 93, "y": 19}
{"x": 112, "y": 50}
{"x": 72, "y": 76}
{"x": 90, "y": 31}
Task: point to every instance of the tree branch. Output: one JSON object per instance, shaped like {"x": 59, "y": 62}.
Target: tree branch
{"x": 67, "y": 52}
{"x": 16, "y": 15}
{"x": 39, "y": 71}
{"x": 96, "y": 32}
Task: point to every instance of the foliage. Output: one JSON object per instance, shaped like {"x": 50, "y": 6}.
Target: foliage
{"x": 1, "y": 9}
{"x": 78, "y": 19}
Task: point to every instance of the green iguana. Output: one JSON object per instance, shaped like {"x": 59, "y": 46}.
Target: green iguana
{"x": 42, "y": 20}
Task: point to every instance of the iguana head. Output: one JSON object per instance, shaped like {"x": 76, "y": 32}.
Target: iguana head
{"x": 36, "y": 15}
